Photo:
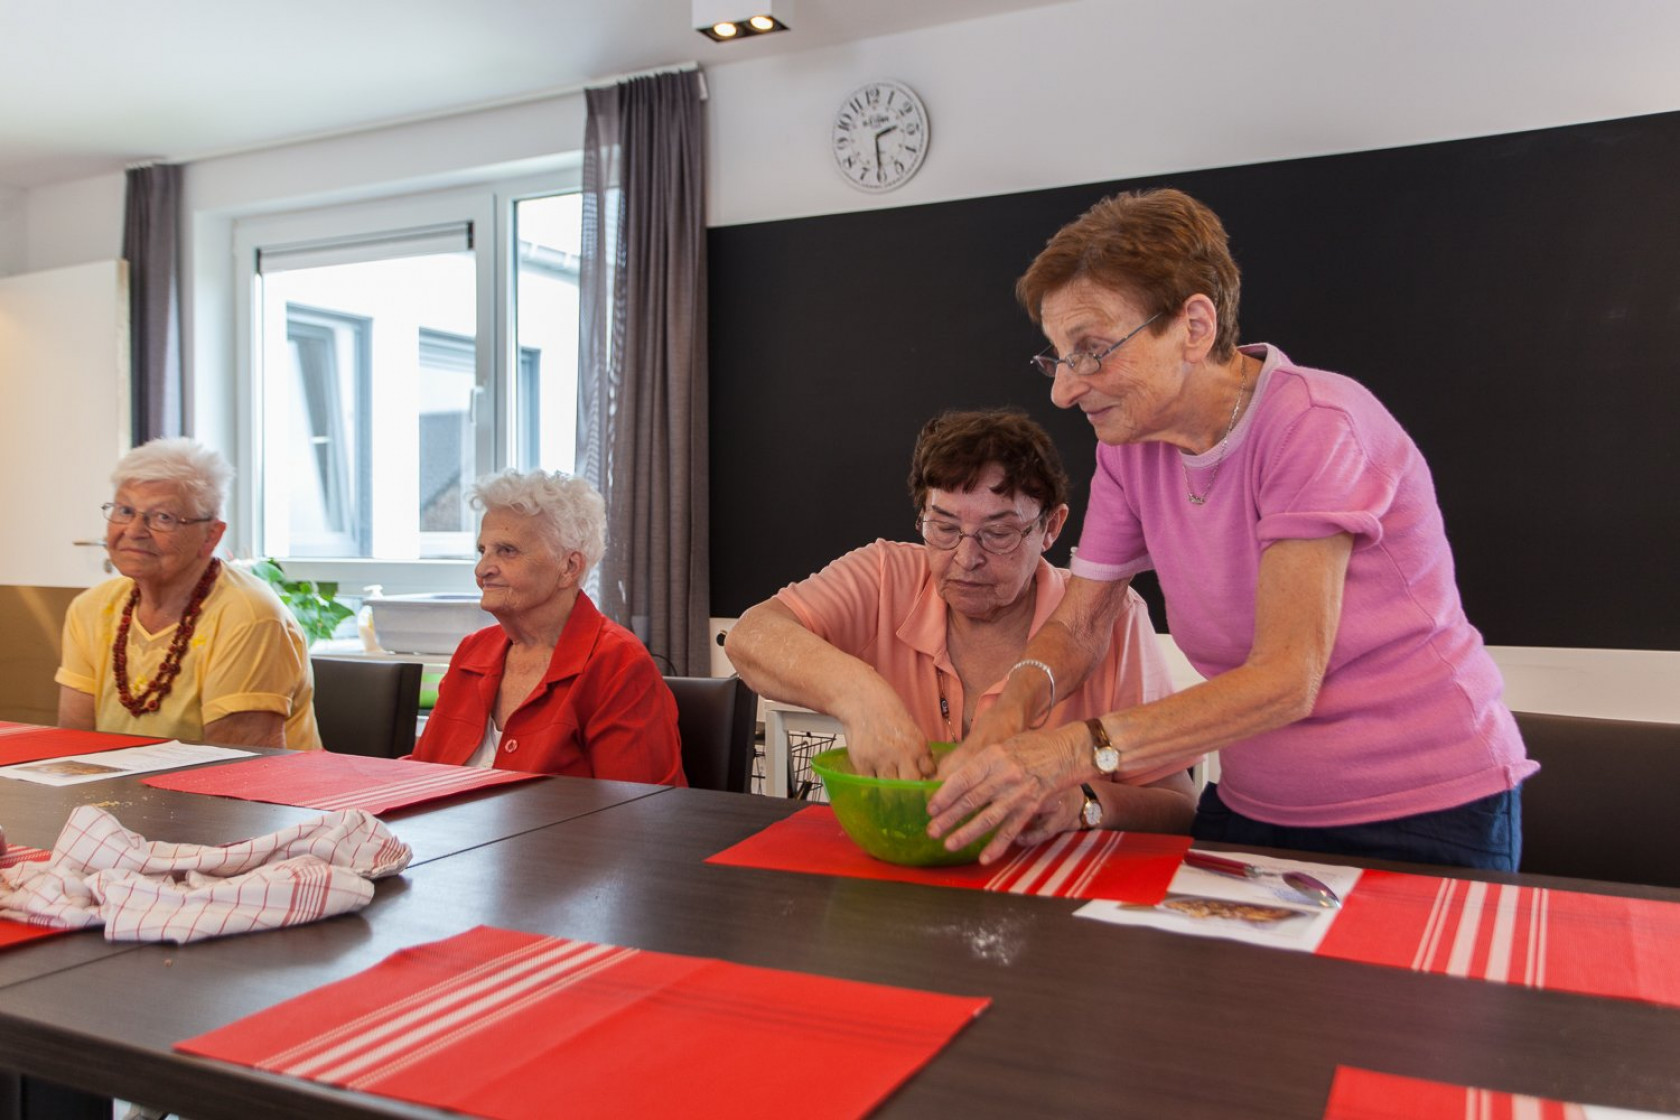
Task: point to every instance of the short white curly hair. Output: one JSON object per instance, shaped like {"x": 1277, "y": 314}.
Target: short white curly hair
{"x": 572, "y": 513}
{"x": 201, "y": 474}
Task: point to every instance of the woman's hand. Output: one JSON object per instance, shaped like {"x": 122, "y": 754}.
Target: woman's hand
{"x": 1004, "y": 785}
{"x": 1058, "y": 814}
{"x": 882, "y": 740}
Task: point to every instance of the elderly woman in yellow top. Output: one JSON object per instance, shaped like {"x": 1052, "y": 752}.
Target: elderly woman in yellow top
{"x": 182, "y": 646}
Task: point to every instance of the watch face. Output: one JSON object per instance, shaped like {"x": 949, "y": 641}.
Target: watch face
{"x": 880, "y": 136}
{"x": 1107, "y": 759}
{"x": 1091, "y": 814}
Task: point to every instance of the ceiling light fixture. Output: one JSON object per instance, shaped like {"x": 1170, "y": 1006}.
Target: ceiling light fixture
{"x": 722, "y": 21}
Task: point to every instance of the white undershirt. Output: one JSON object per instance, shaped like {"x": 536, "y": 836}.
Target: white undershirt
{"x": 485, "y": 755}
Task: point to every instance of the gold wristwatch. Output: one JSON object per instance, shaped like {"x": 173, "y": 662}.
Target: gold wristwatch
{"x": 1091, "y": 812}
{"x": 1105, "y": 756}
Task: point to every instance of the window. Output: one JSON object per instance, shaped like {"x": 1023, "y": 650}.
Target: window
{"x": 398, "y": 351}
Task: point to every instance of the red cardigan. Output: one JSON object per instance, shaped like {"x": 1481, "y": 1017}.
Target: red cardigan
{"x": 602, "y": 710}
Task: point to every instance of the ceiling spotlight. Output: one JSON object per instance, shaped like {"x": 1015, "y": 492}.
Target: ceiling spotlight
{"x": 723, "y": 21}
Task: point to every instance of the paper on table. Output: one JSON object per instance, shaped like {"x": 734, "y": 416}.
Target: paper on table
{"x": 1259, "y": 911}
{"x": 78, "y": 768}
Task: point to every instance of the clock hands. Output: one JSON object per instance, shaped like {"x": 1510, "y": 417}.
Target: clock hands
{"x": 878, "y": 135}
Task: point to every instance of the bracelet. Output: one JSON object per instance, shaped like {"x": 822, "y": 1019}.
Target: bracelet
{"x": 1033, "y": 663}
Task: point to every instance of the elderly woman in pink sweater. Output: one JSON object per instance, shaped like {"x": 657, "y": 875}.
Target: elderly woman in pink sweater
{"x": 1294, "y": 529}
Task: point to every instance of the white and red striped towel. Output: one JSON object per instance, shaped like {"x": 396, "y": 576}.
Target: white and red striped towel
{"x": 1566, "y": 941}
{"x": 99, "y": 873}
{"x": 513, "y": 1025}
{"x": 324, "y": 780}
{"x": 17, "y": 853}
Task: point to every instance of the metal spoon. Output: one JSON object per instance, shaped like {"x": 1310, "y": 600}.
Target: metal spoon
{"x": 1298, "y": 881}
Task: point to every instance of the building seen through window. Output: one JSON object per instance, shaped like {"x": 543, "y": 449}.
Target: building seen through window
{"x": 381, "y": 388}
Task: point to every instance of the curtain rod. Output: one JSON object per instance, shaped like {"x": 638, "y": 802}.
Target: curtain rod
{"x": 420, "y": 118}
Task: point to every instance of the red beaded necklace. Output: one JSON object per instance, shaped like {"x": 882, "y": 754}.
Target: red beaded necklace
{"x": 152, "y": 698}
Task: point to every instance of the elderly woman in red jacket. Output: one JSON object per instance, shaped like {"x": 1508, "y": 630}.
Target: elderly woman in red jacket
{"x": 555, "y": 687}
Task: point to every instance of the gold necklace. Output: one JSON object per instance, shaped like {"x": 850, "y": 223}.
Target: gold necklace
{"x": 1224, "y": 444}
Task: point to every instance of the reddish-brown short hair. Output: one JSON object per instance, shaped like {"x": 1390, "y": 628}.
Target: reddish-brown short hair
{"x": 1159, "y": 247}
{"x": 955, "y": 447}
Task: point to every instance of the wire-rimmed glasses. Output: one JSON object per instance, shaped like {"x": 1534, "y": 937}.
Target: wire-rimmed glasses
{"x": 1083, "y": 363}
{"x": 155, "y": 520}
{"x": 999, "y": 540}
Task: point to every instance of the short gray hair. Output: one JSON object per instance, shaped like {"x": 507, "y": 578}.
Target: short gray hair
{"x": 572, "y": 513}
{"x": 201, "y": 474}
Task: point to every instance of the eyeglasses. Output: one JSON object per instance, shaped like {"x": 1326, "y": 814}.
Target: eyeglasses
{"x": 999, "y": 540}
{"x": 1083, "y": 363}
{"x": 156, "y": 520}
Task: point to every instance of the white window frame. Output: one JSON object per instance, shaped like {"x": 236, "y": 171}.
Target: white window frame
{"x": 489, "y": 206}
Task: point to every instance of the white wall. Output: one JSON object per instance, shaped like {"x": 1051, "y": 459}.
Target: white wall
{"x": 12, "y": 218}
{"x": 1085, "y": 91}
{"x": 1099, "y": 90}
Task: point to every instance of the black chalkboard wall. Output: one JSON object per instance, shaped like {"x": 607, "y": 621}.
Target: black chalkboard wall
{"x": 1514, "y": 300}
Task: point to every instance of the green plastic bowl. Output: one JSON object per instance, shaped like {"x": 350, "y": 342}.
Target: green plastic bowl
{"x": 888, "y": 817}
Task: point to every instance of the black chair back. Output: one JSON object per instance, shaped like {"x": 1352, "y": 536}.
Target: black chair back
{"x": 718, "y": 719}
{"x": 367, "y": 707}
{"x": 1599, "y": 807}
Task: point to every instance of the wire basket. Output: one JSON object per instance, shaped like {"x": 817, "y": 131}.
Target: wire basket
{"x": 803, "y": 783}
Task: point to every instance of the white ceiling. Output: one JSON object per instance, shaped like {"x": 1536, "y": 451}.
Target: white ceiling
{"x": 89, "y": 86}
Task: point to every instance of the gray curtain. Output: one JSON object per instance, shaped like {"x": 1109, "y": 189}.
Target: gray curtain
{"x": 151, "y": 245}
{"x": 642, "y": 384}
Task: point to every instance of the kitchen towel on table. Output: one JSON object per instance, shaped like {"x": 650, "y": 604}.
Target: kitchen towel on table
{"x": 323, "y": 780}
{"x": 1566, "y": 941}
{"x": 1133, "y": 867}
{"x": 99, "y": 873}
{"x": 502, "y": 1024}
{"x": 24, "y": 742}
{"x": 1362, "y": 1094}
{"x": 16, "y": 933}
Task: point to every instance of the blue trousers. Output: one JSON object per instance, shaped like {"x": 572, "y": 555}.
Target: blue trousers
{"x": 1486, "y": 833}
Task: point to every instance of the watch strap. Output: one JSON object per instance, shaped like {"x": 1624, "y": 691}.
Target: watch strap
{"x": 1085, "y": 821}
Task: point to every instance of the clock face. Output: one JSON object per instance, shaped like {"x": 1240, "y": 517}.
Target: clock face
{"x": 880, "y": 136}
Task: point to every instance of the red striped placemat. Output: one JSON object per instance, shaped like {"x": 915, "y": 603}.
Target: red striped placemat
{"x": 1362, "y": 1094}
{"x": 1565, "y": 941}
{"x": 25, "y": 742}
{"x": 1133, "y": 867}
{"x": 513, "y": 1025}
{"x": 322, "y": 780}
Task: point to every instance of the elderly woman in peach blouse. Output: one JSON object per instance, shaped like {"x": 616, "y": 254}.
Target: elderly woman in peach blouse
{"x": 906, "y": 643}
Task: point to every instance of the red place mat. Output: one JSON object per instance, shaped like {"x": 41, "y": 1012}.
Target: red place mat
{"x": 1134, "y": 867}
{"x": 1360, "y": 1094}
{"x": 16, "y": 933}
{"x": 323, "y": 780}
{"x": 25, "y": 742}
{"x": 503, "y": 1024}
{"x": 1562, "y": 941}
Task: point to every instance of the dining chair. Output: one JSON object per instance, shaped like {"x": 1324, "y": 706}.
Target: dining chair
{"x": 367, "y": 707}
{"x": 717, "y": 718}
{"x": 1600, "y": 806}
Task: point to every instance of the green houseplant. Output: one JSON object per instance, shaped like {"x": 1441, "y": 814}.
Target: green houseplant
{"x": 314, "y": 605}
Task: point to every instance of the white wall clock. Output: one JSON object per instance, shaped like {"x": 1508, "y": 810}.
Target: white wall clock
{"x": 880, "y": 136}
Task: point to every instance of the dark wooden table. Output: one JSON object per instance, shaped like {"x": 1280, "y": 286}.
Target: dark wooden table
{"x": 34, "y": 815}
{"x": 1087, "y": 1018}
